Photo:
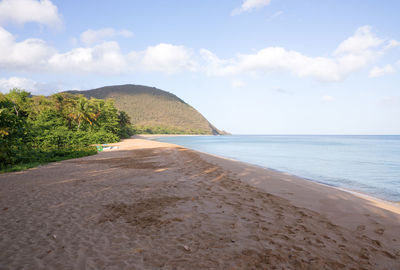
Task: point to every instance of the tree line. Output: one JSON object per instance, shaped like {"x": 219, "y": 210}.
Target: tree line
{"x": 39, "y": 129}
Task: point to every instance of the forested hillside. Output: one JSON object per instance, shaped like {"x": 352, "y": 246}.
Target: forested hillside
{"x": 40, "y": 129}
{"x": 153, "y": 110}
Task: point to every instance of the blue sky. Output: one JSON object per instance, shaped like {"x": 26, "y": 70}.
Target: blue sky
{"x": 249, "y": 66}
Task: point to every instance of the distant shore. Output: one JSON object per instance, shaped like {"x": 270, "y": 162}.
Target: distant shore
{"x": 154, "y": 205}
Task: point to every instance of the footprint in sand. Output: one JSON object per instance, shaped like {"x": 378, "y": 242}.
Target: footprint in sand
{"x": 364, "y": 254}
{"x": 360, "y": 228}
{"x": 388, "y": 254}
{"x": 376, "y": 243}
{"x": 379, "y": 231}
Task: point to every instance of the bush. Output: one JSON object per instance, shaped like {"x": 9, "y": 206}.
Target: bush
{"x": 36, "y": 130}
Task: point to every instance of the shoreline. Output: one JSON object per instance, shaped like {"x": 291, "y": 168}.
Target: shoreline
{"x": 151, "y": 205}
{"x": 315, "y": 181}
{"x": 353, "y": 192}
{"x": 387, "y": 205}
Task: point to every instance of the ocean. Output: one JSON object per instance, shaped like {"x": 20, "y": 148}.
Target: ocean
{"x": 366, "y": 164}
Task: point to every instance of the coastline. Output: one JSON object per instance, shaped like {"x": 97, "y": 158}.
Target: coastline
{"x": 153, "y": 205}
{"x": 310, "y": 188}
{"x": 386, "y": 204}
{"x": 354, "y": 192}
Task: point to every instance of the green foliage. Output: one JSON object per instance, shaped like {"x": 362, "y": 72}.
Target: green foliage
{"x": 13, "y": 127}
{"x": 37, "y": 157}
{"x": 167, "y": 130}
{"x": 36, "y": 130}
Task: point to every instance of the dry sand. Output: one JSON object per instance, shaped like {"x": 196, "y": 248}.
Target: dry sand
{"x": 153, "y": 205}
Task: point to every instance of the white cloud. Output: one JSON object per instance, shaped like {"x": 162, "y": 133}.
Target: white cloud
{"x": 94, "y": 36}
{"x": 34, "y": 87}
{"x": 237, "y": 83}
{"x": 27, "y": 54}
{"x": 214, "y": 65}
{"x": 381, "y": 71}
{"x": 24, "y": 11}
{"x": 250, "y": 5}
{"x": 7, "y": 84}
{"x": 392, "y": 44}
{"x": 354, "y": 53}
{"x": 271, "y": 59}
{"x": 328, "y": 98}
{"x": 105, "y": 58}
{"x": 166, "y": 58}
{"x": 362, "y": 41}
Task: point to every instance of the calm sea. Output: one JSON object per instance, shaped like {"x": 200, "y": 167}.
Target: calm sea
{"x": 368, "y": 164}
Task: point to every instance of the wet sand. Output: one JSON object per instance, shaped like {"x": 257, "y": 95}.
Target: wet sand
{"x": 152, "y": 205}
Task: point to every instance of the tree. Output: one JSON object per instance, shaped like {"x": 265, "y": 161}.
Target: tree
{"x": 126, "y": 129}
{"x": 38, "y": 128}
{"x": 82, "y": 111}
{"x": 13, "y": 131}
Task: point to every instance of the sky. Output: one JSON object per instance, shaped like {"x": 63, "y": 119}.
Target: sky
{"x": 249, "y": 66}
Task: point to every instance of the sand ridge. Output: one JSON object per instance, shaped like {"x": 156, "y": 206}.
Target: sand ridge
{"x": 152, "y": 205}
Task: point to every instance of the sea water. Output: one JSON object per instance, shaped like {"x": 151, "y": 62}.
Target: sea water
{"x": 367, "y": 164}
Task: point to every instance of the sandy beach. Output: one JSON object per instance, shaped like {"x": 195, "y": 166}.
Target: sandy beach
{"x": 152, "y": 205}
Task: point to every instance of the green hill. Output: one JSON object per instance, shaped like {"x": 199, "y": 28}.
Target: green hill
{"x": 153, "y": 110}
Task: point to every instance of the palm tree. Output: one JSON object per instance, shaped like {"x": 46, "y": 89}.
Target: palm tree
{"x": 82, "y": 111}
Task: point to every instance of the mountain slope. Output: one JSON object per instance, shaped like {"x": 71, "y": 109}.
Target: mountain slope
{"x": 154, "y": 109}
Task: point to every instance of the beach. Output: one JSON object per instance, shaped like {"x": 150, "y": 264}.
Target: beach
{"x": 153, "y": 205}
